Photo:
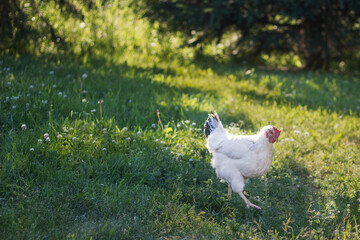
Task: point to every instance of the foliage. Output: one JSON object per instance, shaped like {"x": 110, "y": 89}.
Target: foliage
{"x": 320, "y": 32}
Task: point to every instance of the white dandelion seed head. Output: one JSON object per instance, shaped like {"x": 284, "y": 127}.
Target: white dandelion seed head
{"x": 74, "y": 139}
{"x": 100, "y": 101}
{"x": 125, "y": 129}
{"x": 84, "y": 75}
{"x": 104, "y": 130}
{"x": 104, "y": 149}
{"x": 54, "y": 86}
{"x": 83, "y": 100}
{"x": 46, "y": 135}
{"x": 23, "y": 126}
{"x": 60, "y": 94}
{"x": 93, "y": 110}
{"x": 47, "y": 139}
{"x": 82, "y": 25}
{"x": 138, "y": 133}
{"x": 31, "y": 149}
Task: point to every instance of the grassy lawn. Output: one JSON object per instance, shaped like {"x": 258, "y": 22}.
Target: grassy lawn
{"x": 114, "y": 173}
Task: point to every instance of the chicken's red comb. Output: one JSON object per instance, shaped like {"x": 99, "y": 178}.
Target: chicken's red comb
{"x": 276, "y": 129}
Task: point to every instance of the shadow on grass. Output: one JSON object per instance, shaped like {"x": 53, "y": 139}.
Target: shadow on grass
{"x": 130, "y": 94}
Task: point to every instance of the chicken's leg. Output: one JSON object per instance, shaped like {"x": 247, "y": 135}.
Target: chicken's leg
{"x": 229, "y": 191}
{"x": 238, "y": 184}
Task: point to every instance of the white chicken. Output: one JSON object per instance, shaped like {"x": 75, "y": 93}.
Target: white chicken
{"x": 236, "y": 158}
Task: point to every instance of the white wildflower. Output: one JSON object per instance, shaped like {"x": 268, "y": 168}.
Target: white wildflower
{"x": 104, "y": 149}
{"x": 84, "y": 100}
{"x": 51, "y": 72}
{"x": 82, "y": 25}
{"x": 248, "y": 72}
{"x": 46, "y": 135}
{"x": 60, "y": 94}
{"x": 194, "y": 124}
{"x": 187, "y": 121}
{"x": 138, "y": 133}
{"x": 31, "y": 86}
{"x": 47, "y": 139}
{"x": 104, "y": 130}
{"x": 125, "y": 129}
{"x": 39, "y": 141}
{"x": 74, "y": 139}
{"x": 54, "y": 86}
{"x": 31, "y": 149}
{"x": 59, "y": 136}
{"x": 153, "y": 125}
{"x": 23, "y": 127}
{"x": 28, "y": 95}
{"x": 128, "y": 139}
{"x": 93, "y": 110}
{"x": 14, "y": 107}
{"x": 84, "y": 75}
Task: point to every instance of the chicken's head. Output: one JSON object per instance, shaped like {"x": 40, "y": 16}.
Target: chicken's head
{"x": 272, "y": 134}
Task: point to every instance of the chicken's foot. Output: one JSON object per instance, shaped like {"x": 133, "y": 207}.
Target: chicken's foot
{"x": 248, "y": 203}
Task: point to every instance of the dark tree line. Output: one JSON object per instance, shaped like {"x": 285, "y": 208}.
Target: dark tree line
{"x": 319, "y": 31}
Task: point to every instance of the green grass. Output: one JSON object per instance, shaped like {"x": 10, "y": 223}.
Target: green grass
{"x": 146, "y": 183}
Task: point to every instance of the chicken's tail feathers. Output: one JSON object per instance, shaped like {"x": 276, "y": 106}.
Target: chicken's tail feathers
{"x": 212, "y": 123}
